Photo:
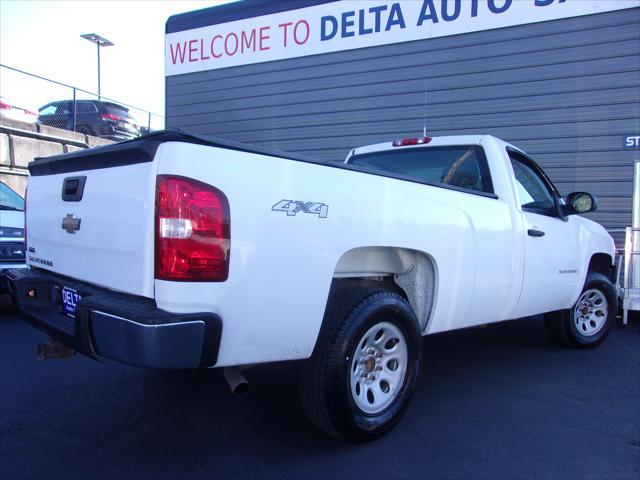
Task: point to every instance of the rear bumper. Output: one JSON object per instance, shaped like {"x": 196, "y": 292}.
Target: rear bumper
{"x": 126, "y": 328}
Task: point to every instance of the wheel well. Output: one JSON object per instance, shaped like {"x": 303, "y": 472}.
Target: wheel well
{"x": 602, "y": 263}
{"x": 409, "y": 272}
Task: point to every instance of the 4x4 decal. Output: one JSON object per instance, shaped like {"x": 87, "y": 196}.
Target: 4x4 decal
{"x": 292, "y": 207}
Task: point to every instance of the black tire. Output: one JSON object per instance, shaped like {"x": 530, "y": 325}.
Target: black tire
{"x": 562, "y": 325}
{"x": 325, "y": 382}
{"x": 85, "y": 129}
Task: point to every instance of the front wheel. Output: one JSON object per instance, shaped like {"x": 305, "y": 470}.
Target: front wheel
{"x": 363, "y": 371}
{"x": 590, "y": 320}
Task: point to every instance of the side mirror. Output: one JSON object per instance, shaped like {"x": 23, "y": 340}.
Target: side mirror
{"x": 580, "y": 202}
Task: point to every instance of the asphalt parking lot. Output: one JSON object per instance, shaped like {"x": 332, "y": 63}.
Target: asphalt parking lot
{"x": 494, "y": 402}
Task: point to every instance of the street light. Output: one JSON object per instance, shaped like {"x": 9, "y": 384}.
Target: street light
{"x": 100, "y": 42}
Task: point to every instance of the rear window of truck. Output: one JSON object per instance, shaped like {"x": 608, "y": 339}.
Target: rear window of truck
{"x": 462, "y": 166}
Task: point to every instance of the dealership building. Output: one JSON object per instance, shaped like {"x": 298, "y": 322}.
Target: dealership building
{"x": 558, "y": 78}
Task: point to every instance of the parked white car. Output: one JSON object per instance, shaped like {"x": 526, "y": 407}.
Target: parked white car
{"x": 10, "y": 110}
{"x": 174, "y": 251}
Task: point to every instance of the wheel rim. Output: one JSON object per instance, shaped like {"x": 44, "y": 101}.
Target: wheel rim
{"x": 590, "y": 312}
{"x": 378, "y": 367}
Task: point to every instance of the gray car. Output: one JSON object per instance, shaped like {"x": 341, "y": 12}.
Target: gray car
{"x": 12, "y": 240}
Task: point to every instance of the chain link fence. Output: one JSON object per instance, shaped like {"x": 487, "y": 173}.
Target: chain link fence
{"x": 31, "y": 98}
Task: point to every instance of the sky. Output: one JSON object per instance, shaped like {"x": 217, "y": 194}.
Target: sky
{"x": 43, "y": 38}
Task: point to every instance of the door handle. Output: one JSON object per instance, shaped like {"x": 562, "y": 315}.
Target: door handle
{"x": 73, "y": 188}
{"x": 535, "y": 233}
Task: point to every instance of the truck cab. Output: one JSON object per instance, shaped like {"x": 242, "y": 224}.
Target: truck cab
{"x": 551, "y": 248}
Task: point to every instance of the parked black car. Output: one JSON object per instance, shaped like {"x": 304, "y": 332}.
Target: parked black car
{"x": 93, "y": 117}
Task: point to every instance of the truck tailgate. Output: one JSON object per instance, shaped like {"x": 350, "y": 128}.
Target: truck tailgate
{"x": 94, "y": 224}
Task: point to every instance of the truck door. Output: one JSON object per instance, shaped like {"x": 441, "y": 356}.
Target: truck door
{"x": 551, "y": 253}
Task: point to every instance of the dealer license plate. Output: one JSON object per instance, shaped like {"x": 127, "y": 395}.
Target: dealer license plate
{"x": 70, "y": 299}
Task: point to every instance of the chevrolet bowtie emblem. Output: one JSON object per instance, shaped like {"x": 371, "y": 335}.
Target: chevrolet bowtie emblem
{"x": 70, "y": 224}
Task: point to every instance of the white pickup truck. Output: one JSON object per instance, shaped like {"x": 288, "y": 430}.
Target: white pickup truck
{"x": 175, "y": 251}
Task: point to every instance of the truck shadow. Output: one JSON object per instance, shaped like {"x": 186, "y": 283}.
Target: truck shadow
{"x": 198, "y": 408}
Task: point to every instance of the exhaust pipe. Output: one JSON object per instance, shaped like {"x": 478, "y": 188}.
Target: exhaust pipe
{"x": 236, "y": 380}
{"x": 52, "y": 348}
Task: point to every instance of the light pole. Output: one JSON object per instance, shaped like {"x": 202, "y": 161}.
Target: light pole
{"x": 100, "y": 42}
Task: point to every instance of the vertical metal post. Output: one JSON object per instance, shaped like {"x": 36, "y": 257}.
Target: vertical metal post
{"x": 635, "y": 238}
{"x": 98, "y": 71}
{"x": 627, "y": 278}
{"x": 100, "y": 42}
{"x": 636, "y": 195}
{"x": 74, "y": 109}
{"x": 149, "y": 123}
{"x": 632, "y": 252}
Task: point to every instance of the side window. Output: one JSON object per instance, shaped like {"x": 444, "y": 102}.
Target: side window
{"x": 534, "y": 193}
{"x": 64, "y": 108}
{"x": 86, "y": 107}
{"x": 48, "y": 110}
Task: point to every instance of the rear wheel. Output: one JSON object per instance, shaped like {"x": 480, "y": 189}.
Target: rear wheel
{"x": 590, "y": 320}
{"x": 363, "y": 371}
{"x": 85, "y": 129}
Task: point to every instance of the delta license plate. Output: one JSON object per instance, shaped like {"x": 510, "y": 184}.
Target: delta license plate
{"x": 70, "y": 299}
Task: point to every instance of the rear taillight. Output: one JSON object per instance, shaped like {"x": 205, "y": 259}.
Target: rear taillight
{"x": 110, "y": 116}
{"x": 5, "y": 106}
{"x": 192, "y": 230}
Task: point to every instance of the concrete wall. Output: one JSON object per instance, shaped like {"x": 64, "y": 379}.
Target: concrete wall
{"x": 21, "y": 142}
